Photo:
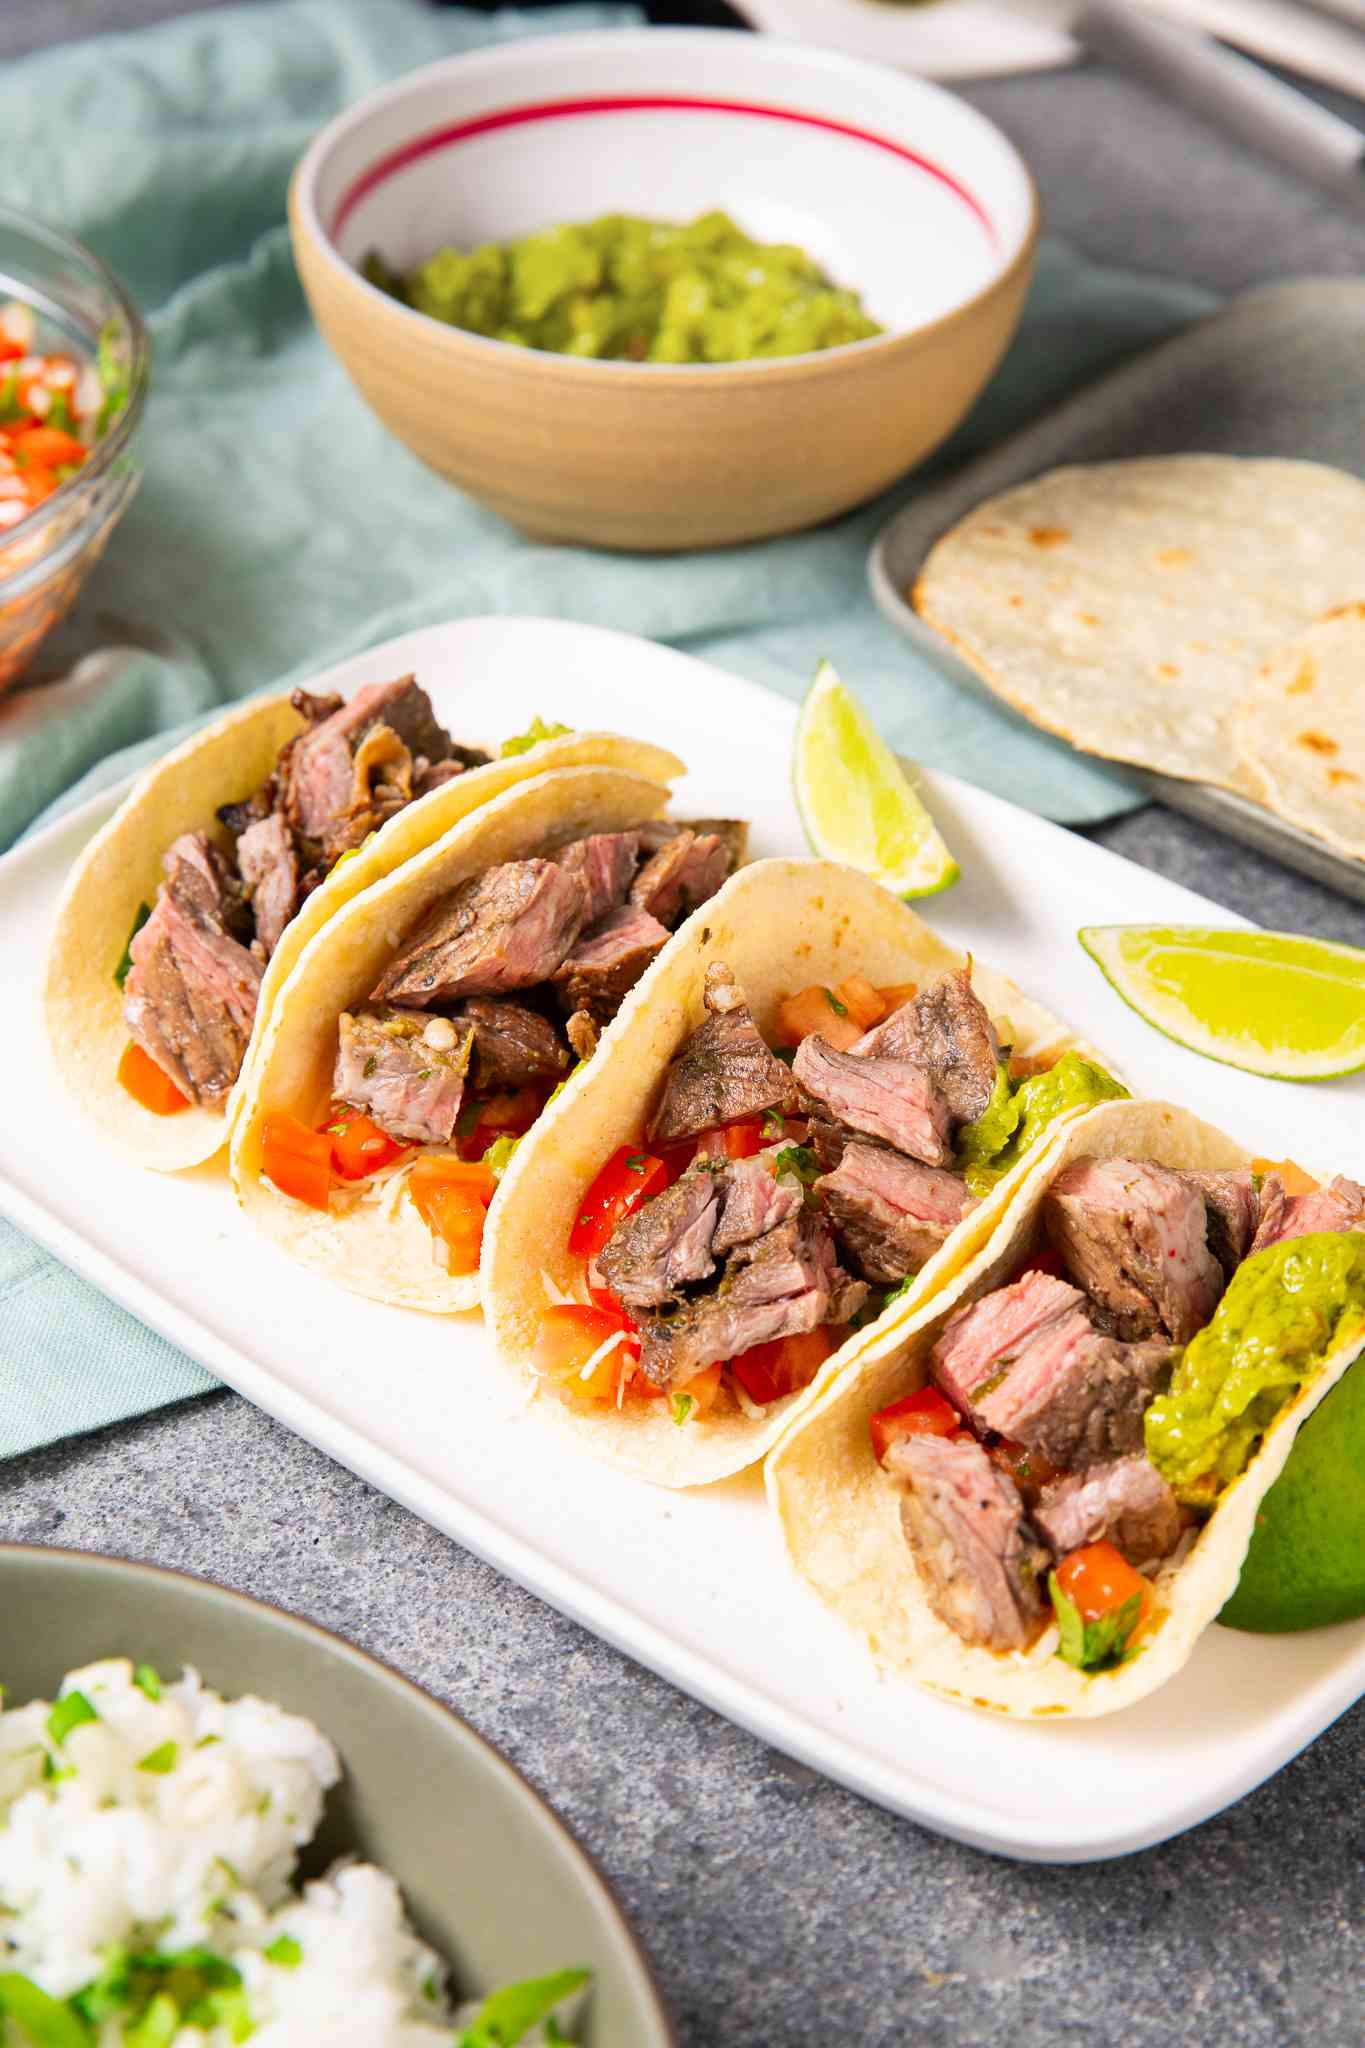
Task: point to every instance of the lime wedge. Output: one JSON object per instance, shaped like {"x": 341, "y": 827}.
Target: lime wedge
{"x": 1269, "y": 1002}
{"x": 855, "y": 801}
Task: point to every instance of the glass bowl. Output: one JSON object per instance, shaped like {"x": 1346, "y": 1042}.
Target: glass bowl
{"x": 79, "y": 306}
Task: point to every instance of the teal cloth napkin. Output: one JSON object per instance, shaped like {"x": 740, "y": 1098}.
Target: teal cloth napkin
{"x": 279, "y": 528}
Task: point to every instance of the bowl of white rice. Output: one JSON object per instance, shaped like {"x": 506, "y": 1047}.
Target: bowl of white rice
{"x": 219, "y": 1823}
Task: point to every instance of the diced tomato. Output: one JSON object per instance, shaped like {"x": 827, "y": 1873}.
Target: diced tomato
{"x": 297, "y": 1158}
{"x": 629, "y": 1177}
{"x": 730, "y": 1141}
{"x": 677, "y": 1158}
{"x": 47, "y": 448}
{"x": 1044, "y": 1260}
{"x": 360, "y": 1146}
{"x": 500, "y": 1116}
{"x": 147, "y": 1084}
{"x": 703, "y": 1390}
{"x": 897, "y": 994}
{"x": 864, "y": 1003}
{"x": 925, "y": 1413}
{"x": 1296, "y": 1181}
{"x": 603, "y": 1298}
{"x": 1099, "y": 1580}
{"x": 813, "y": 1009}
{"x": 771, "y": 1371}
{"x": 452, "y": 1197}
{"x": 567, "y": 1346}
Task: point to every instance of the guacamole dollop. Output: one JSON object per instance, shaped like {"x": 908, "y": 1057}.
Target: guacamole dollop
{"x": 1019, "y": 1113}
{"x": 640, "y": 290}
{"x": 1285, "y": 1310}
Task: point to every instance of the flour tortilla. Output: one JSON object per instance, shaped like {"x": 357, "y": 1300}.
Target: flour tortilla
{"x": 382, "y": 1248}
{"x": 1301, "y": 733}
{"x": 840, "y": 1513}
{"x": 779, "y": 925}
{"x": 1128, "y": 606}
{"x": 121, "y": 869}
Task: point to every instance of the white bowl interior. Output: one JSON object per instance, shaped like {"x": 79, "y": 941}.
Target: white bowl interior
{"x": 897, "y": 188}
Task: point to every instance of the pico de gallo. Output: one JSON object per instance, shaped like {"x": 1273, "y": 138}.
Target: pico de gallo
{"x": 53, "y": 407}
{"x": 782, "y": 1191}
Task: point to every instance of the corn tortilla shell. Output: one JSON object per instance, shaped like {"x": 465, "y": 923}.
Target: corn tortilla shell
{"x": 1301, "y": 734}
{"x": 121, "y": 869}
{"x": 1128, "y": 606}
{"x": 840, "y": 1514}
{"x": 779, "y": 925}
{"x": 388, "y": 1255}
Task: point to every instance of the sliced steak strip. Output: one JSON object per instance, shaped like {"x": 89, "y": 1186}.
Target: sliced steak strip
{"x": 1126, "y": 1503}
{"x": 724, "y": 1071}
{"x": 891, "y": 1213}
{"x": 985, "y": 1336}
{"x": 507, "y": 928}
{"x": 1074, "y": 1394}
{"x": 606, "y": 861}
{"x": 190, "y": 997}
{"x": 665, "y": 1245}
{"x": 894, "y": 1100}
{"x": 269, "y": 869}
{"x": 319, "y": 773}
{"x": 733, "y": 834}
{"x": 1339, "y": 1206}
{"x": 964, "y": 1522}
{"x": 204, "y": 886}
{"x": 512, "y": 1045}
{"x": 1134, "y": 1236}
{"x": 1231, "y": 1209}
{"x": 685, "y": 872}
{"x": 607, "y": 961}
{"x": 406, "y": 1072}
{"x": 946, "y": 1029}
{"x": 754, "y": 1201}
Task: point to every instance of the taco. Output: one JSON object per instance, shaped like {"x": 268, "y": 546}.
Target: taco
{"x": 1035, "y": 1494}
{"x": 423, "y": 1031}
{"x": 184, "y": 915}
{"x": 807, "y": 1118}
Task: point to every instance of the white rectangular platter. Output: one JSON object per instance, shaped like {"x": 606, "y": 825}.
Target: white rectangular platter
{"x": 694, "y": 1585}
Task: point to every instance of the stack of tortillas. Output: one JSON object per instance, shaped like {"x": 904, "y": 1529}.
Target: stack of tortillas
{"x": 1201, "y": 615}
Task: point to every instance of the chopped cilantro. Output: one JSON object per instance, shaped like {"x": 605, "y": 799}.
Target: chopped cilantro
{"x": 148, "y": 1679}
{"x": 125, "y": 966}
{"x": 371, "y": 1063}
{"x": 800, "y": 1160}
{"x": 636, "y": 1163}
{"x": 536, "y": 731}
{"x": 284, "y": 1951}
{"x": 896, "y": 1293}
{"x": 48, "y": 2022}
{"x": 839, "y": 1009}
{"x": 70, "y": 1711}
{"x": 1093, "y": 1645}
{"x": 161, "y": 1760}
{"x": 683, "y": 1404}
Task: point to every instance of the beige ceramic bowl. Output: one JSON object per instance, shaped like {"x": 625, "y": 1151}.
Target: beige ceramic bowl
{"x": 894, "y": 186}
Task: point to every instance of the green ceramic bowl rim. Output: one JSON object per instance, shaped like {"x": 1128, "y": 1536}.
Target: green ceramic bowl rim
{"x": 589, "y": 1872}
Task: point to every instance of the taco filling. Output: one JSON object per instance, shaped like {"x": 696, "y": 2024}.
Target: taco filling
{"x": 778, "y": 1192}
{"x": 1083, "y": 1420}
{"x": 192, "y": 972}
{"x": 480, "y": 1015}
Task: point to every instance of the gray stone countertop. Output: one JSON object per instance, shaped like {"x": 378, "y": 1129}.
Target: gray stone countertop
{"x": 780, "y": 1910}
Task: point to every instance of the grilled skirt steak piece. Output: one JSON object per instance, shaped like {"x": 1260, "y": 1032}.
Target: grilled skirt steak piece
{"x": 981, "y": 1339}
{"x": 512, "y": 1045}
{"x": 1126, "y": 1503}
{"x": 507, "y": 928}
{"x": 1230, "y": 1211}
{"x": 891, "y": 1214}
{"x": 1074, "y": 1394}
{"x": 1134, "y": 1235}
{"x": 406, "y": 1072}
{"x": 733, "y": 834}
{"x": 686, "y": 871}
{"x": 606, "y": 861}
{"x": 269, "y": 869}
{"x": 665, "y": 1244}
{"x": 204, "y": 885}
{"x": 607, "y": 961}
{"x": 724, "y": 1071}
{"x": 753, "y": 1201}
{"x": 894, "y": 1100}
{"x": 945, "y": 1029}
{"x": 190, "y": 997}
{"x": 964, "y": 1522}
{"x": 319, "y": 774}
{"x": 787, "y": 1282}
{"x": 1339, "y": 1206}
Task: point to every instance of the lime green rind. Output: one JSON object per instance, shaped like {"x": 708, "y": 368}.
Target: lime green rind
{"x": 859, "y": 756}
{"x": 1199, "y": 1040}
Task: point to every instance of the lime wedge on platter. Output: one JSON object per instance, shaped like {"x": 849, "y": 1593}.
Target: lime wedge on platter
{"x": 856, "y": 803}
{"x": 1271, "y": 1003}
